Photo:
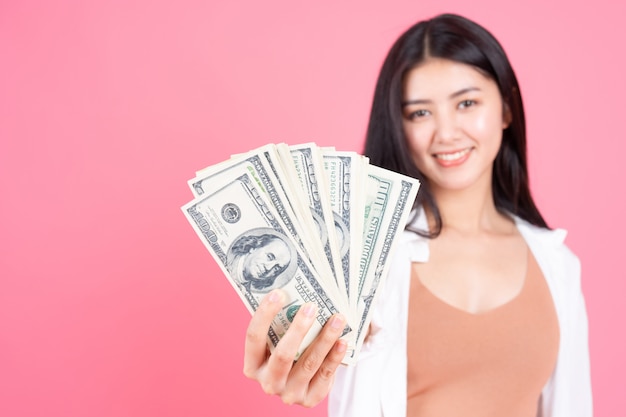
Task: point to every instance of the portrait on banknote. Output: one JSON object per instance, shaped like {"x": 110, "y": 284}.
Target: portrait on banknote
{"x": 261, "y": 259}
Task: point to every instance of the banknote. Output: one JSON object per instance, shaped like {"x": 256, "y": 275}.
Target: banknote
{"x": 320, "y": 224}
{"x": 255, "y": 162}
{"x": 311, "y": 177}
{"x": 283, "y": 173}
{"x": 243, "y": 232}
{"x": 388, "y": 200}
{"x": 343, "y": 170}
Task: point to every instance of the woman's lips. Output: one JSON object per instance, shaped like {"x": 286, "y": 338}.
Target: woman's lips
{"x": 447, "y": 159}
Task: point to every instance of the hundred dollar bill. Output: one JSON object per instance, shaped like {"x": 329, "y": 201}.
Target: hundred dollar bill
{"x": 255, "y": 163}
{"x": 343, "y": 170}
{"x": 284, "y": 170}
{"x": 308, "y": 164}
{"x": 240, "y": 228}
{"x": 389, "y": 199}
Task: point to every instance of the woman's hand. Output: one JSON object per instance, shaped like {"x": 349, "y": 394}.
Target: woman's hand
{"x": 307, "y": 381}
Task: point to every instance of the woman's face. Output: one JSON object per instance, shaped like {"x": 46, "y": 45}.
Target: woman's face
{"x": 453, "y": 119}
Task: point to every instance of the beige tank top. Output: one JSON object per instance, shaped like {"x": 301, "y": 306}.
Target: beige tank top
{"x": 489, "y": 364}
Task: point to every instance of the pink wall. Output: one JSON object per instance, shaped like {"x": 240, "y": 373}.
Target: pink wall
{"x": 111, "y": 306}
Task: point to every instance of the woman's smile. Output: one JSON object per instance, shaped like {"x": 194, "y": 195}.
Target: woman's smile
{"x": 454, "y": 158}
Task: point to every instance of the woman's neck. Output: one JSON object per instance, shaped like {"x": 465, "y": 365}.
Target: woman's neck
{"x": 470, "y": 211}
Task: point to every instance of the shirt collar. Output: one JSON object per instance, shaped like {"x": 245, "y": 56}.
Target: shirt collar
{"x": 419, "y": 248}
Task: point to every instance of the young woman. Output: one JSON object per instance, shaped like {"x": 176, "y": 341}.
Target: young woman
{"x": 482, "y": 313}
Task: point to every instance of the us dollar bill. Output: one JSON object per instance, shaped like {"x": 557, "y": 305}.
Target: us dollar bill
{"x": 239, "y": 226}
{"x": 388, "y": 201}
{"x": 343, "y": 170}
{"x": 284, "y": 171}
{"x": 256, "y": 163}
{"x": 282, "y": 168}
{"x": 320, "y": 224}
{"x": 311, "y": 177}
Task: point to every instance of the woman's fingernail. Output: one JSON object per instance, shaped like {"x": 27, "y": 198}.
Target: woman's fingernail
{"x": 337, "y": 322}
{"x": 341, "y": 346}
{"x": 309, "y": 310}
{"x": 274, "y": 296}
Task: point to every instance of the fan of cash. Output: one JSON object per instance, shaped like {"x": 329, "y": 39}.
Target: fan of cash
{"x": 319, "y": 224}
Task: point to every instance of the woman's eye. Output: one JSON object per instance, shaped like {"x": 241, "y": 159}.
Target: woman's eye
{"x": 270, "y": 257}
{"x": 466, "y": 103}
{"x": 418, "y": 114}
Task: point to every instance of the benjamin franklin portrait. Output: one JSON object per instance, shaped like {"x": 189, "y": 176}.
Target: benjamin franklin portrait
{"x": 262, "y": 259}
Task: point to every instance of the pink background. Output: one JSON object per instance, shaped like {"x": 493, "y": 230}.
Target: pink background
{"x": 109, "y": 303}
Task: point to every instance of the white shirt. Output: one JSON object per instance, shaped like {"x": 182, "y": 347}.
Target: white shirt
{"x": 376, "y": 385}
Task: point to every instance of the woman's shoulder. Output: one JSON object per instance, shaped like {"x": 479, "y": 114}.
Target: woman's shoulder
{"x": 547, "y": 239}
{"x": 557, "y": 261}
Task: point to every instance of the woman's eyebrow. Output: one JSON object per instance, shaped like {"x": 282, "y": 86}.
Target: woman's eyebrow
{"x": 428, "y": 101}
{"x": 410, "y": 102}
{"x": 463, "y": 91}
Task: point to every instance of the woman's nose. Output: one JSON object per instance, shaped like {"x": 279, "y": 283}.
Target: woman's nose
{"x": 446, "y": 127}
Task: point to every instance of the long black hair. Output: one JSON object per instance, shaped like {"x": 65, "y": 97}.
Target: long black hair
{"x": 458, "y": 39}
